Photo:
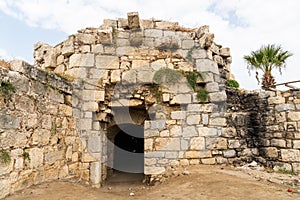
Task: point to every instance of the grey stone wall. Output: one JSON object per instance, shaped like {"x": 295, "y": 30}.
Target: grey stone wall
{"x": 264, "y": 126}
{"x": 37, "y": 129}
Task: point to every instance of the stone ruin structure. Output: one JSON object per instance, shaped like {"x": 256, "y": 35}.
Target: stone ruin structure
{"x": 141, "y": 96}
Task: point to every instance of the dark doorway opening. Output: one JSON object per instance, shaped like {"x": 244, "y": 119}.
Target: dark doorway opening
{"x": 129, "y": 149}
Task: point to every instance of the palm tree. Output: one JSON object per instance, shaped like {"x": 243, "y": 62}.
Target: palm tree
{"x": 266, "y": 59}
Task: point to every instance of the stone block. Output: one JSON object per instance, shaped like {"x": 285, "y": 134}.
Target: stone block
{"x": 212, "y": 87}
{"x": 151, "y": 133}
{"x": 153, "y": 33}
{"x": 229, "y": 132}
{"x": 86, "y": 38}
{"x": 77, "y": 73}
{"x": 290, "y": 155}
{"x": 90, "y": 106}
{"x": 4, "y": 188}
{"x": 145, "y": 76}
{"x": 107, "y": 62}
{"x": 115, "y": 76}
{"x": 205, "y": 119}
{"x": 217, "y": 96}
{"x": 41, "y": 137}
{"x": 150, "y": 161}
{"x": 95, "y": 172}
{"x": 197, "y": 143}
{"x": 9, "y": 121}
{"x": 193, "y": 119}
{"x": 52, "y": 157}
{"x": 166, "y": 97}
{"x": 97, "y": 48}
{"x": 148, "y": 144}
{"x": 278, "y": 143}
{"x": 207, "y": 131}
{"x": 125, "y": 51}
{"x": 229, "y": 153}
{"x": 154, "y": 170}
{"x": 94, "y": 144}
{"x": 284, "y": 107}
{"x": 129, "y": 77}
{"x": 189, "y": 131}
{"x": 93, "y": 95}
{"x": 187, "y": 44}
{"x": 199, "y": 54}
{"x": 158, "y": 64}
{"x": 276, "y": 100}
{"x": 36, "y": 157}
{"x": 176, "y": 131}
{"x": 181, "y": 99}
{"x": 208, "y": 161}
{"x": 218, "y": 121}
{"x": 216, "y": 143}
{"x": 294, "y": 116}
{"x": 169, "y": 144}
{"x": 158, "y": 124}
{"x": 133, "y": 20}
{"x": 178, "y": 115}
{"x": 206, "y": 65}
{"x": 270, "y": 152}
{"x": 225, "y": 52}
{"x": 82, "y": 60}
{"x": 296, "y": 144}
{"x": 296, "y": 167}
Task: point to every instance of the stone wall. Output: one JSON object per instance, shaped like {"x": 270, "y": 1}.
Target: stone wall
{"x": 118, "y": 62}
{"x": 264, "y": 126}
{"x": 142, "y": 74}
{"x": 37, "y": 129}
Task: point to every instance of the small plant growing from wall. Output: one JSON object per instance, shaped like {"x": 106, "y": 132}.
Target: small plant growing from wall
{"x": 202, "y": 95}
{"x": 166, "y": 76}
{"x": 4, "y": 157}
{"x": 232, "y": 84}
{"x": 7, "y": 88}
{"x": 26, "y": 156}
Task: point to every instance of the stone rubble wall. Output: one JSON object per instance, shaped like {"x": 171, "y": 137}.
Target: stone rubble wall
{"x": 117, "y": 63}
{"x": 66, "y": 128}
{"x": 37, "y": 121}
{"x": 264, "y": 126}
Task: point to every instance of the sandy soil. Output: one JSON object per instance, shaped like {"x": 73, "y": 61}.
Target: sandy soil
{"x": 203, "y": 182}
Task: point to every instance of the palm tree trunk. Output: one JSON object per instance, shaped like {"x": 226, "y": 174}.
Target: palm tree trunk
{"x": 268, "y": 81}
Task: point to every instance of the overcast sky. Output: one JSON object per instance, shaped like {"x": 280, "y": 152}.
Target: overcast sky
{"x": 242, "y": 25}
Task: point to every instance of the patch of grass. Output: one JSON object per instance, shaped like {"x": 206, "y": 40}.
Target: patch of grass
{"x": 202, "y": 95}
{"x": 26, "y": 156}
{"x": 4, "y": 157}
{"x": 192, "y": 78}
{"x": 7, "y": 87}
{"x": 232, "y": 84}
{"x": 166, "y": 76}
{"x": 285, "y": 171}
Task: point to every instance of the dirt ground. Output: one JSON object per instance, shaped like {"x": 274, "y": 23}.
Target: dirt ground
{"x": 202, "y": 182}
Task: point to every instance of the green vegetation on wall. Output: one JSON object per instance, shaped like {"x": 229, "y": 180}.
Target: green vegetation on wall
{"x": 232, "y": 84}
{"x": 4, "y": 157}
{"x": 7, "y": 87}
{"x": 170, "y": 76}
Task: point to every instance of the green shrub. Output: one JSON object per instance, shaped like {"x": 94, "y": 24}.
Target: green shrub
{"x": 26, "y": 156}
{"x": 202, "y": 95}
{"x": 5, "y": 157}
{"x": 232, "y": 84}
{"x": 7, "y": 87}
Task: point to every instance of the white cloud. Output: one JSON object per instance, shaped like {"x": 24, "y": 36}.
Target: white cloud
{"x": 241, "y": 25}
{"x": 5, "y": 55}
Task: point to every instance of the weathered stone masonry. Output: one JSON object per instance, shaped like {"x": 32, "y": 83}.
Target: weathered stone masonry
{"x": 70, "y": 128}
